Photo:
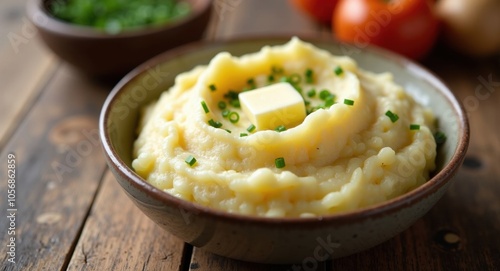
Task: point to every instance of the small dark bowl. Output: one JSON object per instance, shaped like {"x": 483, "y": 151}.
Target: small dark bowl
{"x": 104, "y": 55}
{"x": 278, "y": 240}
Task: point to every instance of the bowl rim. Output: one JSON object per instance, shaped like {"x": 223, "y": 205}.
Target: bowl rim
{"x": 421, "y": 192}
{"x": 41, "y": 17}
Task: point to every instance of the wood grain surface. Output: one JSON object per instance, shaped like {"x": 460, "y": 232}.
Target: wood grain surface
{"x": 72, "y": 215}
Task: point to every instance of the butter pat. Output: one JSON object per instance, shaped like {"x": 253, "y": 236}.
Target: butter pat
{"x": 271, "y": 106}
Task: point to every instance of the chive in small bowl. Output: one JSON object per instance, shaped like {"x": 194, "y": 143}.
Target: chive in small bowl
{"x": 109, "y": 48}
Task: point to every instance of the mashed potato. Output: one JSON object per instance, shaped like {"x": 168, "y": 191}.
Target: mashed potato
{"x": 357, "y": 152}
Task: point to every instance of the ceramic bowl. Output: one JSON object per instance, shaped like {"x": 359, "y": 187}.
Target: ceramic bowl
{"x": 277, "y": 240}
{"x": 104, "y": 55}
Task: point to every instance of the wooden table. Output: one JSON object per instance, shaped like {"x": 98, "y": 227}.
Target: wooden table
{"x": 71, "y": 214}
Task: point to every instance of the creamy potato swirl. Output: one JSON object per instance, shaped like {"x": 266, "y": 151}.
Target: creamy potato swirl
{"x": 340, "y": 158}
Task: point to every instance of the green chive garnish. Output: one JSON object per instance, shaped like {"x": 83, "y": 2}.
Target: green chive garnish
{"x": 227, "y": 130}
{"x": 205, "y": 107}
{"x": 311, "y": 93}
{"x": 222, "y": 105}
{"x": 251, "y": 83}
{"x": 439, "y": 137}
{"x": 214, "y": 123}
{"x": 309, "y": 76}
{"x": 225, "y": 113}
{"x": 348, "y": 102}
{"x": 236, "y": 103}
{"x": 279, "y": 162}
{"x": 392, "y": 116}
{"x": 329, "y": 102}
{"x": 276, "y": 70}
{"x": 243, "y": 134}
{"x": 338, "y": 70}
{"x": 280, "y": 128}
{"x": 233, "y": 117}
{"x": 324, "y": 94}
{"x": 231, "y": 95}
{"x": 414, "y": 127}
{"x": 190, "y": 160}
{"x": 270, "y": 78}
{"x": 212, "y": 87}
{"x": 251, "y": 128}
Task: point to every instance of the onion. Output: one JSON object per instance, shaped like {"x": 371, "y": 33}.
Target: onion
{"x": 471, "y": 26}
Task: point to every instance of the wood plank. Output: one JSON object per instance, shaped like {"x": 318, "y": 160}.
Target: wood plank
{"x": 25, "y": 66}
{"x": 118, "y": 236}
{"x": 113, "y": 216}
{"x": 461, "y": 231}
{"x": 237, "y": 18}
{"x": 58, "y": 168}
{"x": 206, "y": 261}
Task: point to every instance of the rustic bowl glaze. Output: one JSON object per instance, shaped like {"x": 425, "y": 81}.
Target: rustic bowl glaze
{"x": 104, "y": 55}
{"x": 278, "y": 240}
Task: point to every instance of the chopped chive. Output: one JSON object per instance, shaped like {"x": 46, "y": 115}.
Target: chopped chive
{"x": 348, "y": 102}
{"x": 225, "y": 113}
{"x": 309, "y": 76}
{"x": 276, "y": 70}
{"x": 270, "y": 78}
{"x": 243, "y": 134}
{"x": 414, "y": 127}
{"x": 190, "y": 160}
{"x": 212, "y": 87}
{"x": 251, "y": 128}
{"x": 221, "y": 105}
{"x": 306, "y": 103}
{"x": 280, "y": 128}
{"x": 233, "y": 117}
{"x": 324, "y": 94}
{"x": 285, "y": 79}
{"x": 279, "y": 162}
{"x": 236, "y": 103}
{"x": 309, "y": 72}
{"x": 214, "y": 123}
{"x": 251, "y": 83}
{"x": 329, "y": 102}
{"x": 205, "y": 107}
{"x": 227, "y": 130}
{"x": 338, "y": 70}
{"x": 311, "y": 93}
{"x": 295, "y": 79}
{"x": 392, "y": 116}
{"x": 231, "y": 95}
{"x": 440, "y": 138}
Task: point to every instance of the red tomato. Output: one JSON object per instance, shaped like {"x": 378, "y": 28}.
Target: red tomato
{"x": 408, "y": 27}
{"x": 320, "y": 10}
